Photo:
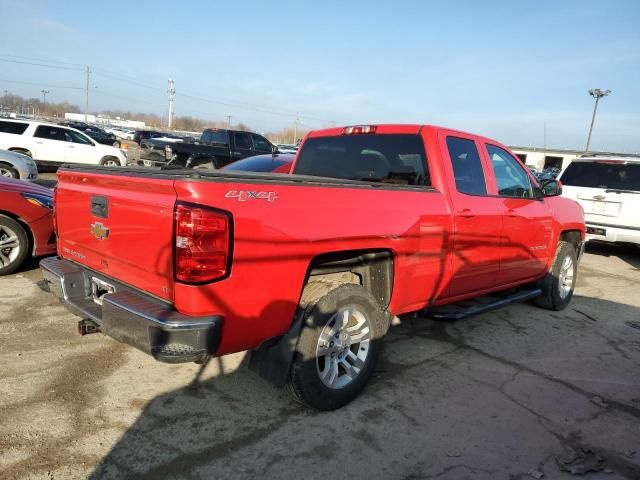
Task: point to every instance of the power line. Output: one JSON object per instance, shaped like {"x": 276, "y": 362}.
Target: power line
{"x": 40, "y": 84}
{"x": 57, "y": 67}
{"x": 40, "y": 59}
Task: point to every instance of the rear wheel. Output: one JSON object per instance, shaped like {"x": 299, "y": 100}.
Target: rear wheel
{"x": 14, "y": 245}
{"x": 338, "y": 346}
{"x": 8, "y": 171}
{"x": 110, "y": 162}
{"x": 559, "y": 283}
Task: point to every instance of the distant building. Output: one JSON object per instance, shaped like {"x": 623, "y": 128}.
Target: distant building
{"x": 541, "y": 158}
{"x": 105, "y": 121}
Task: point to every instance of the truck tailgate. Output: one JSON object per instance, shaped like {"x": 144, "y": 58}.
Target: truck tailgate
{"x": 120, "y": 226}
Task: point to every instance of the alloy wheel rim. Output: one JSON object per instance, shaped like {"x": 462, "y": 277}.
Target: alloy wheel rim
{"x": 5, "y": 172}
{"x": 343, "y": 347}
{"x": 9, "y": 246}
{"x": 565, "y": 283}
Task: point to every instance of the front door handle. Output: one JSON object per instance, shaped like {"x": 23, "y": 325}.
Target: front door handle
{"x": 466, "y": 213}
{"x": 512, "y": 213}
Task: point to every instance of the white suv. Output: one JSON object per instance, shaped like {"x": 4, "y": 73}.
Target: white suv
{"x": 50, "y": 144}
{"x": 608, "y": 188}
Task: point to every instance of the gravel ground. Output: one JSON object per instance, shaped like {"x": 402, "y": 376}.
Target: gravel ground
{"x": 512, "y": 394}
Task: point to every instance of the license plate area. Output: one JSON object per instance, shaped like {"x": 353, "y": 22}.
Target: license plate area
{"x": 99, "y": 288}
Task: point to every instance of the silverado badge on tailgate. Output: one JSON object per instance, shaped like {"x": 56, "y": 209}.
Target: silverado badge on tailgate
{"x": 99, "y": 231}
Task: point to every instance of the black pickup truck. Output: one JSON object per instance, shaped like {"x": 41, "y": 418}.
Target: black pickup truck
{"x": 216, "y": 148}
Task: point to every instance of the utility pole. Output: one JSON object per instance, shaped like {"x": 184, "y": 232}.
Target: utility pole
{"x": 295, "y": 128}
{"x": 44, "y": 95}
{"x": 597, "y": 94}
{"x": 86, "y": 98}
{"x": 544, "y": 140}
{"x": 171, "y": 90}
{"x": 229, "y": 121}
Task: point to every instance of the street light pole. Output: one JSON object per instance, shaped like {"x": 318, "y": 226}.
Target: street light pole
{"x": 597, "y": 94}
{"x": 228, "y": 121}
{"x": 44, "y": 96}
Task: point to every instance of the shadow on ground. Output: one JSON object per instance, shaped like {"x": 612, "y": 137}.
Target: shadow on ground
{"x": 495, "y": 396}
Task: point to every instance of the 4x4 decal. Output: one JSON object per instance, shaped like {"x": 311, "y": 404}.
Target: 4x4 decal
{"x": 244, "y": 195}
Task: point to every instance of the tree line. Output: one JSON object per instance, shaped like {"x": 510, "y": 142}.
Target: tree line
{"x": 54, "y": 111}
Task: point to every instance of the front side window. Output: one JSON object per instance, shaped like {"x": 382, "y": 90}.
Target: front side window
{"x": 242, "y": 140}
{"x": 512, "y": 180}
{"x": 467, "y": 166}
{"x": 50, "y": 133}
{"x": 76, "y": 137}
{"x": 261, "y": 144}
{"x": 395, "y": 159}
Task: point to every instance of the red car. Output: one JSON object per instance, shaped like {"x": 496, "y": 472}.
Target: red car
{"x": 26, "y": 223}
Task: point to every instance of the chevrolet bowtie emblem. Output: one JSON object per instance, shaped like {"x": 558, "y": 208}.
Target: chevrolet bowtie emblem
{"x": 99, "y": 231}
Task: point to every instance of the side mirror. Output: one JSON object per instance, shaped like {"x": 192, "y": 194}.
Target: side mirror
{"x": 551, "y": 188}
{"x": 274, "y": 149}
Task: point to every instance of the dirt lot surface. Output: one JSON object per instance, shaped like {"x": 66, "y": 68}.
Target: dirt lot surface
{"x": 513, "y": 394}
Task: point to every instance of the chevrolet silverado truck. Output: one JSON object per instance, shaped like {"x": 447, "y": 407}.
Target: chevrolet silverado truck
{"x": 306, "y": 270}
{"x": 216, "y": 148}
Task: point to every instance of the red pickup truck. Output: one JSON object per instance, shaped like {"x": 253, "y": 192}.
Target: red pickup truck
{"x": 306, "y": 270}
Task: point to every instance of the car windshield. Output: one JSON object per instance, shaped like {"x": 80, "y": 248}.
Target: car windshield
{"x": 609, "y": 174}
{"x": 397, "y": 159}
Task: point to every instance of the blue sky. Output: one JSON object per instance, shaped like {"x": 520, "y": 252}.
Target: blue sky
{"x": 497, "y": 68}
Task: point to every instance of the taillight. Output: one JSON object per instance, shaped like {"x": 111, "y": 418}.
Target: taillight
{"x": 359, "y": 129}
{"x": 202, "y": 243}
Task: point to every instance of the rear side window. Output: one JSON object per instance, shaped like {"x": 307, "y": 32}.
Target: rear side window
{"x": 16, "y": 128}
{"x": 395, "y": 159}
{"x": 242, "y": 140}
{"x": 467, "y": 166}
{"x": 612, "y": 174}
{"x": 50, "y": 133}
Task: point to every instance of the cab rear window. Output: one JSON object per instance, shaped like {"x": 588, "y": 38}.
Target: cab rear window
{"x": 394, "y": 159}
{"x": 612, "y": 174}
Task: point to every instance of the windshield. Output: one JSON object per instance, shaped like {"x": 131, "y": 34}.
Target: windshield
{"x": 613, "y": 175}
{"x": 397, "y": 159}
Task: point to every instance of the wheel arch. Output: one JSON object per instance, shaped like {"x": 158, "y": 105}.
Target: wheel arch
{"x": 574, "y": 237}
{"x": 371, "y": 268}
{"x": 22, "y": 150}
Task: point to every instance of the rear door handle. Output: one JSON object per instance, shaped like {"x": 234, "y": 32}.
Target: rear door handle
{"x": 466, "y": 213}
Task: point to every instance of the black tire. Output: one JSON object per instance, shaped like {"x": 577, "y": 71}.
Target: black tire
{"x": 7, "y": 170}
{"x": 322, "y": 301}
{"x": 557, "y": 288}
{"x": 11, "y": 257}
{"x": 110, "y": 161}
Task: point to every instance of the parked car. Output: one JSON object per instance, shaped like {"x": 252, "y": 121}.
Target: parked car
{"x": 102, "y": 136}
{"x": 216, "y": 148}
{"x": 286, "y": 148}
{"x": 26, "y": 223}
{"x": 50, "y": 144}
{"x": 306, "y": 270}
{"x": 608, "y": 188}
{"x": 276, "y": 163}
{"x": 126, "y": 134}
{"x": 17, "y": 165}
